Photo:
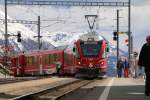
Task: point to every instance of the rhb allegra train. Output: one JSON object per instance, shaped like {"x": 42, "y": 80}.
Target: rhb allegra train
{"x": 87, "y": 57}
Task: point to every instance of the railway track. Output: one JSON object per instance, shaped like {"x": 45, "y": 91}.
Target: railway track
{"x": 55, "y": 92}
{"x": 18, "y": 79}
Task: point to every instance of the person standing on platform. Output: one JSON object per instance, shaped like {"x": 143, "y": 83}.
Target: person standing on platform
{"x": 144, "y": 60}
{"x": 126, "y": 68}
{"x": 119, "y": 68}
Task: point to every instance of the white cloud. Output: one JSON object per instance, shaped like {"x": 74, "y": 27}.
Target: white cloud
{"x": 73, "y": 19}
{"x": 140, "y": 24}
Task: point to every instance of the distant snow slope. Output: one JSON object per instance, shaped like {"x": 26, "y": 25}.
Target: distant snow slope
{"x": 28, "y": 41}
{"x": 50, "y": 40}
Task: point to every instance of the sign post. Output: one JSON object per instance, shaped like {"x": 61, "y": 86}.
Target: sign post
{"x": 135, "y": 65}
{"x": 135, "y": 54}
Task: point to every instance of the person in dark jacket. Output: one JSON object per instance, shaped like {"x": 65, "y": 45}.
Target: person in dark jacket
{"x": 119, "y": 68}
{"x": 144, "y": 60}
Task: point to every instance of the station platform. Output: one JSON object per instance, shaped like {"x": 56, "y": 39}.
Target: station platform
{"x": 110, "y": 88}
{"x": 26, "y": 87}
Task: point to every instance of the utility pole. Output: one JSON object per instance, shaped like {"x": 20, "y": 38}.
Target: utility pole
{"x": 39, "y": 36}
{"x": 117, "y": 35}
{"x": 6, "y": 37}
{"x": 129, "y": 34}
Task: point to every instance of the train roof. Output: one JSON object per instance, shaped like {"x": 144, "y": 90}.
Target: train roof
{"x": 40, "y": 52}
{"x": 91, "y": 37}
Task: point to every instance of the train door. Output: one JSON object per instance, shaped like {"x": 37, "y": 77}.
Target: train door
{"x": 40, "y": 65}
{"x": 17, "y": 67}
{"x": 21, "y": 65}
{"x": 14, "y": 65}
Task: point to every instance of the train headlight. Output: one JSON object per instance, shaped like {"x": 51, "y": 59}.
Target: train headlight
{"x": 79, "y": 62}
{"x": 102, "y": 63}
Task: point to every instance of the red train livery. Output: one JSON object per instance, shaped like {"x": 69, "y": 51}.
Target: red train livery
{"x": 91, "y": 53}
{"x": 87, "y": 57}
{"x": 36, "y": 63}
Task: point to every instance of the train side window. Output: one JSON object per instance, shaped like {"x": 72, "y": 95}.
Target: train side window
{"x": 30, "y": 60}
{"x": 35, "y": 60}
{"x": 74, "y": 49}
{"x": 105, "y": 52}
{"x": 53, "y": 58}
{"x": 50, "y": 58}
{"x": 107, "y": 49}
{"x": 47, "y": 59}
{"x": 44, "y": 59}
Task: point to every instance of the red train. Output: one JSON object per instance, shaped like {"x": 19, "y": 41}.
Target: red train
{"x": 88, "y": 57}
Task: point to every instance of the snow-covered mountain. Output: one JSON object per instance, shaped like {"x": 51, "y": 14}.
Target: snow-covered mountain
{"x": 49, "y": 40}
{"x": 28, "y": 41}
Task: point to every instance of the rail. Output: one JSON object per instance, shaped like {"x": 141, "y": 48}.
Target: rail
{"x": 55, "y": 92}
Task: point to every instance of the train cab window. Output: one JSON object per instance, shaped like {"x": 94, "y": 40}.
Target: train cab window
{"x": 90, "y": 48}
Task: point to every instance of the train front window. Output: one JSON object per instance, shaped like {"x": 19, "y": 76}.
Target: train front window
{"x": 91, "y": 48}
